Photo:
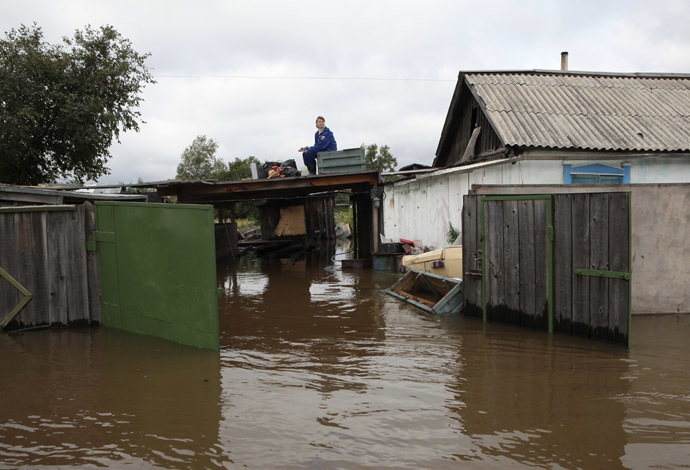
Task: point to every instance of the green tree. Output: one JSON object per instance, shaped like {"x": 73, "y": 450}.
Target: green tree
{"x": 379, "y": 159}
{"x": 239, "y": 169}
{"x": 199, "y": 161}
{"x": 235, "y": 171}
{"x": 61, "y": 105}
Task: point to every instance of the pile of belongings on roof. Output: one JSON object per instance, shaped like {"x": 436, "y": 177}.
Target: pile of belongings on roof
{"x": 271, "y": 170}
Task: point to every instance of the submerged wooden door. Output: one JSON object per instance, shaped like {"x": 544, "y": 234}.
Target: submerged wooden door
{"x": 559, "y": 262}
{"x": 592, "y": 265}
{"x": 517, "y": 268}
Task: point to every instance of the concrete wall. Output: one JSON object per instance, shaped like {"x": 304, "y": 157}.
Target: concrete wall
{"x": 661, "y": 251}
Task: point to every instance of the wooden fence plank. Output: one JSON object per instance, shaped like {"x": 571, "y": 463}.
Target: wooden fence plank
{"x": 527, "y": 264}
{"x": 563, "y": 263}
{"x": 472, "y": 283}
{"x": 93, "y": 275}
{"x": 480, "y": 256}
{"x": 599, "y": 260}
{"x": 41, "y": 270}
{"x": 580, "y": 238}
{"x": 541, "y": 263}
{"x": 619, "y": 245}
{"x": 77, "y": 272}
{"x": 494, "y": 259}
{"x": 13, "y": 259}
{"x": 9, "y": 296}
{"x": 57, "y": 261}
{"x": 330, "y": 206}
{"x": 24, "y": 264}
{"x": 511, "y": 261}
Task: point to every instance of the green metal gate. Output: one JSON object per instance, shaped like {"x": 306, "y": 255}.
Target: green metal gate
{"x": 158, "y": 271}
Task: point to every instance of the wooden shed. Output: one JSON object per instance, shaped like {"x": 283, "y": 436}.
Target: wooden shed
{"x": 310, "y": 217}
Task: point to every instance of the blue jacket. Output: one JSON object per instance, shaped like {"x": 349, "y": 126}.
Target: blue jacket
{"x": 322, "y": 143}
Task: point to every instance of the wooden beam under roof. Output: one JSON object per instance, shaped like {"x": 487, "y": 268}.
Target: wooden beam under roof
{"x": 211, "y": 192}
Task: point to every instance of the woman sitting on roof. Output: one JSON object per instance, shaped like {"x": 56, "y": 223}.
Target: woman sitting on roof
{"x": 323, "y": 142}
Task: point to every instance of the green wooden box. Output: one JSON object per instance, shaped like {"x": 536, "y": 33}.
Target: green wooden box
{"x": 341, "y": 161}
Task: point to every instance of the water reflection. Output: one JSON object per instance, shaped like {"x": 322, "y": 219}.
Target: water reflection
{"x": 658, "y": 406}
{"x": 320, "y": 369}
{"x": 539, "y": 400}
{"x": 105, "y": 397}
{"x": 359, "y": 377}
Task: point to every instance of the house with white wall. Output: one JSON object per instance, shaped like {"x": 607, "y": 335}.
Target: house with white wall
{"x": 545, "y": 127}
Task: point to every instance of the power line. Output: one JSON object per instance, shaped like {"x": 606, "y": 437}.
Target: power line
{"x": 269, "y": 77}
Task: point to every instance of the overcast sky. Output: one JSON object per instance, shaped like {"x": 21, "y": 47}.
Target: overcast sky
{"x": 253, "y": 75}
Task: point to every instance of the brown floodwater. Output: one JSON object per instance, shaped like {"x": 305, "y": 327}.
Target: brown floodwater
{"x": 319, "y": 368}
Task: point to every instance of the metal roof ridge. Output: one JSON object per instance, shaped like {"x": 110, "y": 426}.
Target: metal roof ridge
{"x": 670, "y": 75}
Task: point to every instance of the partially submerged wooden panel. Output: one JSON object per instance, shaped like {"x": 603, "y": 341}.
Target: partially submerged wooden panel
{"x": 580, "y": 312}
{"x": 511, "y": 261}
{"x": 527, "y": 262}
{"x": 44, "y": 249}
{"x": 599, "y": 260}
{"x": 601, "y": 266}
{"x": 542, "y": 273}
{"x": 563, "y": 263}
{"x": 619, "y": 289}
{"x": 472, "y": 257}
{"x": 495, "y": 282}
{"x": 517, "y": 256}
{"x": 587, "y": 280}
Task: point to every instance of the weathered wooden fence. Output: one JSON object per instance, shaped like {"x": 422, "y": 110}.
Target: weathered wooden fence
{"x": 43, "y": 248}
{"x": 556, "y": 262}
{"x": 592, "y": 265}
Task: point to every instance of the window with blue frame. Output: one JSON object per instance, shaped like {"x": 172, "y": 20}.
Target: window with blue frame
{"x": 595, "y": 174}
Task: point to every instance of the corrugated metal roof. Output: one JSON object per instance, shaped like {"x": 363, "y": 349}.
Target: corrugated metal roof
{"x": 595, "y": 111}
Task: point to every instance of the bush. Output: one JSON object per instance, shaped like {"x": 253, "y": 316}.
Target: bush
{"x": 452, "y": 234}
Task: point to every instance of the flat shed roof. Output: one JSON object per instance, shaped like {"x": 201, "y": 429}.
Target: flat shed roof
{"x": 36, "y": 195}
{"x": 218, "y": 192}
